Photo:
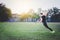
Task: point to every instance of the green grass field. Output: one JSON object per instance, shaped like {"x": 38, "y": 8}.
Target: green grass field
{"x": 28, "y": 31}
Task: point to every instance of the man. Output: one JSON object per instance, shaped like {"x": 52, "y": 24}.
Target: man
{"x": 43, "y": 18}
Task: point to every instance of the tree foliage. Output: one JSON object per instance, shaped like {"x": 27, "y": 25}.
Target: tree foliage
{"x": 5, "y": 13}
{"x": 54, "y": 14}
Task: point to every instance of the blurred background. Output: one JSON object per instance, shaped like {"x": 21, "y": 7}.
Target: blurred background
{"x": 29, "y": 10}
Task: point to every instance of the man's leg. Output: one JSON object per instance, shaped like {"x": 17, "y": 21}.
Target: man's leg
{"x": 45, "y": 24}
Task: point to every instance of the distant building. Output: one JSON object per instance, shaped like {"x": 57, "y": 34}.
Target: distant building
{"x": 15, "y": 18}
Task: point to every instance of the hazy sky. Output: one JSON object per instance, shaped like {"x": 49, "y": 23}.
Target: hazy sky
{"x": 18, "y": 6}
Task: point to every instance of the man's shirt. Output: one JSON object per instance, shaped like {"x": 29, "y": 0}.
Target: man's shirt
{"x": 43, "y": 18}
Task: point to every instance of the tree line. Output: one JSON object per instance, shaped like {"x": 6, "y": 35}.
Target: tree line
{"x": 53, "y": 14}
{"x": 5, "y": 13}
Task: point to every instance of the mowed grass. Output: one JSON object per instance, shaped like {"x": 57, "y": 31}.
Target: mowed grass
{"x": 28, "y": 31}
